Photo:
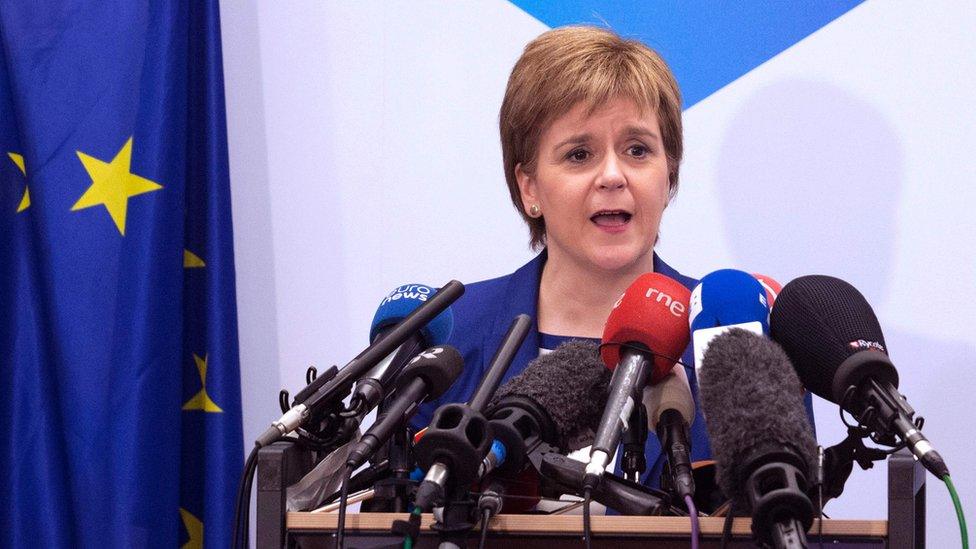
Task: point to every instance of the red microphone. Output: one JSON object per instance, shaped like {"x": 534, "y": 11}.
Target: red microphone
{"x": 772, "y": 287}
{"x": 646, "y": 333}
{"x": 652, "y": 312}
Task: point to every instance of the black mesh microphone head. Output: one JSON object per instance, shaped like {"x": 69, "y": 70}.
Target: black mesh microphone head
{"x": 568, "y": 386}
{"x": 439, "y": 366}
{"x": 753, "y": 406}
{"x": 831, "y": 335}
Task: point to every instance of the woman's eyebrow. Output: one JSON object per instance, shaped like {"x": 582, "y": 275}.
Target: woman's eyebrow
{"x": 577, "y": 139}
{"x": 634, "y": 131}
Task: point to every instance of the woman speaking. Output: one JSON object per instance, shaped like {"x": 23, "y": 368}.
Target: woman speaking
{"x": 591, "y": 140}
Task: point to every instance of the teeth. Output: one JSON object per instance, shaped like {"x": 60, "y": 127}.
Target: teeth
{"x": 611, "y": 217}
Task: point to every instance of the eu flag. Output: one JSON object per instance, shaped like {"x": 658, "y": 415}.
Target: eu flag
{"x": 121, "y": 409}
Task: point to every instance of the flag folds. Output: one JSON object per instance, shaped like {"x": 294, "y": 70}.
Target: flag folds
{"x": 118, "y": 329}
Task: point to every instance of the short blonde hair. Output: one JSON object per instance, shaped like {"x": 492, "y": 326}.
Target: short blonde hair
{"x": 565, "y": 66}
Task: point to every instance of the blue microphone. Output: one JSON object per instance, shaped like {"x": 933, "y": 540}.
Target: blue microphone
{"x": 403, "y": 300}
{"x": 726, "y": 299}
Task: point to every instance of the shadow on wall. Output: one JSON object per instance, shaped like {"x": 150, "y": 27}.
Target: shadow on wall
{"x": 251, "y": 199}
{"x": 821, "y": 172}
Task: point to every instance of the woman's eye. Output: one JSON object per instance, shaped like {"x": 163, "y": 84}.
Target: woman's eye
{"x": 578, "y": 155}
{"x": 638, "y": 151}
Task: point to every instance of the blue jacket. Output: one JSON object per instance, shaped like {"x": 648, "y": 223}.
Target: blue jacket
{"x": 482, "y": 317}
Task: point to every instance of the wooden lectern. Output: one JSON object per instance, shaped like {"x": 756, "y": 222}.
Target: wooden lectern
{"x": 372, "y": 530}
{"x": 282, "y": 464}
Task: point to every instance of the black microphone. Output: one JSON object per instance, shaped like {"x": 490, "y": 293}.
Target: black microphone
{"x": 761, "y": 439}
{"x": 835, "y": 342}
{"x": 459, "y": 437}
{"x": 670, "y": 412}
{"x": 427, "y": 376}
{"x": 556, "y": 401}
{"x": 339, "y": 386}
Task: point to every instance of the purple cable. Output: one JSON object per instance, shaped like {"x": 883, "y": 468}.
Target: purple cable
{"x": 693, "y": 515}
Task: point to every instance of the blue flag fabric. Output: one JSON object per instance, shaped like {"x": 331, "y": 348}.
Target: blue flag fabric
{"x": 118, "y": 332}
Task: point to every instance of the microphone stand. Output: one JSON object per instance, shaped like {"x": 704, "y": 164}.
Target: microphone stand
{"x": 392, "y": 493}
{"x": 400, "y": 463}
{"x": 456, "y": 522}
{"x": 634, "y": 463}
{"x": 839, "y": 460}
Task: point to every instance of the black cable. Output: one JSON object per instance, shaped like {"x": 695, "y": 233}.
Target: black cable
{"x": 587, "y": 496}
{"x": 343, "y": 497}
{"x": 246, "y": 522}
{"x": 727, "y": 528}
{"x": 242, "y": 503}
{"x": 485, "y": 516}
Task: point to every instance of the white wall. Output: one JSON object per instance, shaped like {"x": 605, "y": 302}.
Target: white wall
{"x": 364, "y": 154}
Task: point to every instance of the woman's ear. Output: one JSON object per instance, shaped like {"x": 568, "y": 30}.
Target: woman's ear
{"x": 527, "y": 188}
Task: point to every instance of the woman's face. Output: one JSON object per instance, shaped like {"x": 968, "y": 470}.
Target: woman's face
{"x": 601, "y": 183}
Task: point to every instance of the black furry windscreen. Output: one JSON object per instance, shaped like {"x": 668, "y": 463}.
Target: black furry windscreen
{"x": 570, "y": 383}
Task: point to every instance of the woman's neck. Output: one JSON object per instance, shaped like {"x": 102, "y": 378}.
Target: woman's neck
{"x": 575, "y": 300}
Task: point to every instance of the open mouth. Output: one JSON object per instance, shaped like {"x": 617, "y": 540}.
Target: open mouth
{"x": 611, "y": 218}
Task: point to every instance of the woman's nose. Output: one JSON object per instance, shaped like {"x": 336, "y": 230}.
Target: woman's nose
{"x": 611, "y": 175}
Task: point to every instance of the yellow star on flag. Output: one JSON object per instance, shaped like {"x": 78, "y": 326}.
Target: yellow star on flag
{"x": 201, "y": 400}
{"x": 113, "y": 184}
{"x": 194, "y": 528}
{"x": 25, "y": 200}
{"x": 192, "y": 260}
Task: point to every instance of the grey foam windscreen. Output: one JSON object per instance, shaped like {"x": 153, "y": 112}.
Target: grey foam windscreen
{"x": 753, "y": 406}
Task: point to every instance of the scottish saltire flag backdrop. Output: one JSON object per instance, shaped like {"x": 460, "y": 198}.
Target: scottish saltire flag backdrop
{"x": 118, "y": 330}
{"x": 820, "y": 137}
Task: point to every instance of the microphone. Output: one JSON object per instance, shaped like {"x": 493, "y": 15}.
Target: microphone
{"x": 759, "y": 433}
{"x": 726, "y": 299}
{"x": 834, "y": 339}
{"x": 643, "y": 337}
{"x": 557, "y": 400}
{"x": 670, "y": 412}
{"x": 373, "y": 386}
{"x": 459, "y": 436}
{"x": 428, "y": 375}
{"x": 337, "y": 387}
{"x": 772, "y": 287}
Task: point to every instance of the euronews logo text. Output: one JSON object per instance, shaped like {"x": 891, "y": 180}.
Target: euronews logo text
{"x": 416, "y": 292}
